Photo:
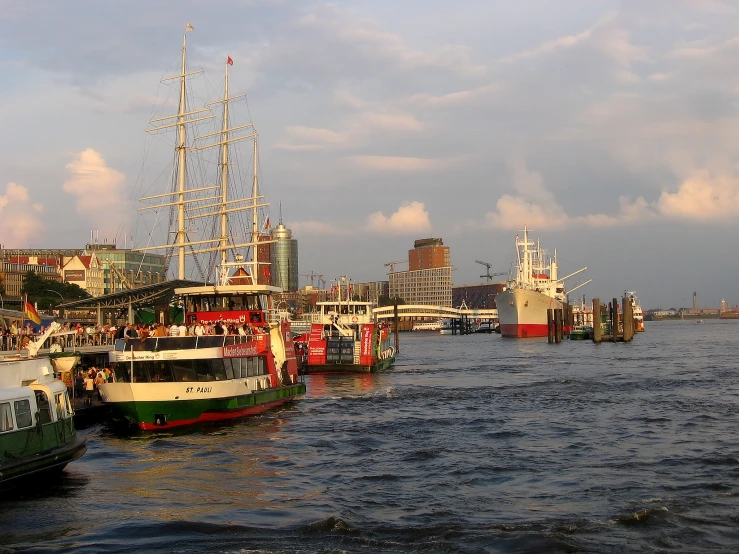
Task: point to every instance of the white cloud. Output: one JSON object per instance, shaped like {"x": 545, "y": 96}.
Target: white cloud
{"x": 19, "y": 218}
{"x": 411, "y": 218}
{"x": 703, "y": 197}
{"x": 405, "y": 164}
{"x": 98, "y": 189}
{"x": 537, "y": 207}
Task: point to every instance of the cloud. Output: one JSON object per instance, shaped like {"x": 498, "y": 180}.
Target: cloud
{"x": 19, "y": 218}
{"x": 405, "y": 164}
{"x": 98, "y": 189}
{"x": 537, "y": 207}
{"x": 366, "y": 39}
{"x": 392, "y": 121}
{"x": 411, "y": 218}
{"x": 312, "y": 138}
{"x": 702, "y": 197}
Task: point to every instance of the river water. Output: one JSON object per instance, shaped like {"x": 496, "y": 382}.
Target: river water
{"x": 470, "y": 444}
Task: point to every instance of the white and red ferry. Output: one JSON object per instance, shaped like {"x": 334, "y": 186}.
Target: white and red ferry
{"x": 522, "y": 306}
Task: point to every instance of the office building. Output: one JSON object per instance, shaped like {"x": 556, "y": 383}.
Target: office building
{"x": 284, "y": 259}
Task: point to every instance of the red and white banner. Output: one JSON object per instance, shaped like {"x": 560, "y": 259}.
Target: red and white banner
{"x": 238, "y": 317}
{"x": 317, "y": 352}
{"x": 368, "y": 333}
{"x": 316, "y": 332}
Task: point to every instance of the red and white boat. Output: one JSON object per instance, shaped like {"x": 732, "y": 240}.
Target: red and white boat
{"x": 522, "y": 306}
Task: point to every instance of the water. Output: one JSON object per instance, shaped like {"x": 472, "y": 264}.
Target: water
{"x": 470, "y": 444}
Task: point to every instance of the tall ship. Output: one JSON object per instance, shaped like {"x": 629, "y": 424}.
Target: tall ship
{"x": 536, "y": 288}
{"x": 37, "y": 433}
{"x": 248, "y": 365}
{"x": 345, "y": 338}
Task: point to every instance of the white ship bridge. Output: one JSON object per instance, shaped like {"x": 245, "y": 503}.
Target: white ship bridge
{"x": 420, "y": 311}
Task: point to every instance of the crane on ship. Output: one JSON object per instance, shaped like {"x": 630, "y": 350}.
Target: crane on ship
{"x": 489, "y": 276}
{"x": 391, "y": 265}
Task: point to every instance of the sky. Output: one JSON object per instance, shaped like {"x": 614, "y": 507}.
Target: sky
{"x": 607, "y": 128}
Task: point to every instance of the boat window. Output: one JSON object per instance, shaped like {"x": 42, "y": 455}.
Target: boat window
{"x": 183, "y": 371}
{"x": 203, "y": 370}
{"x": 227, "y": 363}
{"x": 219, "y": 370}
{"x": 255, "y": 366}
{"x": 160, "y": 371}
{"x": 236, "y": 364}
{"x": 42, "y": 401}
{"x": 60, "y": 406}
{"x": 6, "y": 417}
{"x": 122, "y": 372}
{"x": 140, "y": 375}
{"x": 23, "y": 415}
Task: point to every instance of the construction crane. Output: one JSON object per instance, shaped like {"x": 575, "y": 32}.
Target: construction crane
{"x": 118, "y": 273}
{"x": 489, "y": 276}
{"x": 312, "y": 276}
{"x": 391, "y": 265}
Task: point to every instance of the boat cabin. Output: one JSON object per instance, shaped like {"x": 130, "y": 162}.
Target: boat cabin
{"x": 231, "y": 304}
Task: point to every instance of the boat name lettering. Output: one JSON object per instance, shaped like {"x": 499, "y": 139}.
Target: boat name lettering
{"x": 240, "y": 350}
{"x": 198, "y": 389}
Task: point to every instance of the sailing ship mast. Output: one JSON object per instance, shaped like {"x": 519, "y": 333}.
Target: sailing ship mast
{"x": 221, "y": 205}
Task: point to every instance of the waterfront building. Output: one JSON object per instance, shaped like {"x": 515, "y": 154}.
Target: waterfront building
{"x": 284, "y": 259}
{"x": 14, "y": 270}
{"x": 476, "y": 297}
{"x": 429, "y": 276}
{"x": 124, "y": 268}
{"x": 264, "y": 252}
{"x": 86, "y": 272}
{"x": 371, "y": 291}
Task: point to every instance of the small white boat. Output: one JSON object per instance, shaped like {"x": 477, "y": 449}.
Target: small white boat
{"x": 427, "y": 326}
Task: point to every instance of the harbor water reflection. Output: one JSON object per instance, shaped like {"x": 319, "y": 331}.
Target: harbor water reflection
{"x": 471, "y": 443}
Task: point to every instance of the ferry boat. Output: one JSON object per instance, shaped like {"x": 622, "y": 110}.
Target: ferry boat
{"x": 165, "y": 382}
{"x": 37, "y": 433}
{"x": 427, "y": 326}
{"x": 345, "y": 338}
{"x": 536, "y": 288}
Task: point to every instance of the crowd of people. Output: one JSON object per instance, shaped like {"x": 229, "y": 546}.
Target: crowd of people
{"x": 195, "y": 329}
{"x": 16, "y": 336}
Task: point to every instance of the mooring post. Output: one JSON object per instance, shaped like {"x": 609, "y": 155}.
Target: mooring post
{"x": 597, "y": 327}
{"x": 395, "y": 324}
{"x": 628, "y": 319}
{"x": 558, "y": 321}
{"x": 550, "y": 325}
{"x": 615, "y": 320}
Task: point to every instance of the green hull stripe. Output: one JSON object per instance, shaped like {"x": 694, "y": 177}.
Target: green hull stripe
{"x": 176, "y": 410}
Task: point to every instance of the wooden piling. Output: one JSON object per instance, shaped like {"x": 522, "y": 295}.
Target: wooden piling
{"x": 628, "y": 319}
{"x": 550, "y": 325}
{"x": 395, "y": 321}
{"x": 597, "y": 327}
{"x": 558, "y": 325}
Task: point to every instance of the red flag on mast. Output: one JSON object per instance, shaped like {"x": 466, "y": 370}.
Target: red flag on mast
{"x": 229, "y": 61}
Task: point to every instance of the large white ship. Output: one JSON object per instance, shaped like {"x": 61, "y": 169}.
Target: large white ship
{"x": 522, "y": 306}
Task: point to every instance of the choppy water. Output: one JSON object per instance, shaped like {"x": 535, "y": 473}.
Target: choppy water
{"x": 470, "y": 444}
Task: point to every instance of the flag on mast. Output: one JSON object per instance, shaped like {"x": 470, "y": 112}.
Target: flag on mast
{"x": 189, "y": 27}
{"x": 229, "y": 61}
{"x": 266, "y": 223}
{"x": 31, "y": 312}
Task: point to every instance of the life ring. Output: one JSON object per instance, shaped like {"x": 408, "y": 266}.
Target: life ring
{"x": 355, "y": 319}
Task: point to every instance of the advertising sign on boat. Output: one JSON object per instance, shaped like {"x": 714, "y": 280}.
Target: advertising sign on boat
{"x": 317, "y": 352}
{"x": 368, "y": 332}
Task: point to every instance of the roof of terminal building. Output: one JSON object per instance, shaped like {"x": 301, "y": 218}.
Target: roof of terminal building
{"x": 140, "y": 296}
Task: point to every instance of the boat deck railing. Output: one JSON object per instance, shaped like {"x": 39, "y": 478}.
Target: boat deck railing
{"x": 9, "y": 343}
{"x": 155, "y": 344}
